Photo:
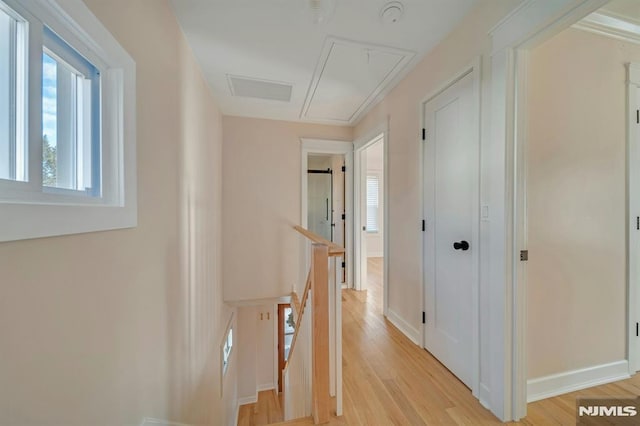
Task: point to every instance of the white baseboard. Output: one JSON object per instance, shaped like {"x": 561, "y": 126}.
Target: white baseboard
{"x": 147, "y": 421}
{"x": 404, "y": 327}
{"x": 569, "y": 381}
{"x": 248, "y": 400}
{"x": 237, "y": 414}
{"x": 265, "y": 387}
{"x": 484, "y": 396}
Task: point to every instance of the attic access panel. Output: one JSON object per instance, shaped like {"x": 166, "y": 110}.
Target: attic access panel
{"x": 349, "y": 77}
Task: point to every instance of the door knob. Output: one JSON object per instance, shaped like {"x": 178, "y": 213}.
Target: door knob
{"x": 462, "y": 245}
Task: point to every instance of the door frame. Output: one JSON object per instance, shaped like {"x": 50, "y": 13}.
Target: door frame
{"x": 359, "y": 146}
{"x": 332, "y": 147}
{"x": 633, "y": 214}
{"x": 527, "y": 26}
{"x": 475, "y": 70}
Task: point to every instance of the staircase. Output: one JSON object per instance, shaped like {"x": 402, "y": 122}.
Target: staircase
{"x": 313, "y": 373}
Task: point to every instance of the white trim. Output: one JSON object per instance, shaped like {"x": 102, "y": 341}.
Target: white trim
{"x": 398, "y": 72}
{"x": 325, "y": 146}
{"x": 259, "y": 302}
{"x": 528, "y": 26}
{"x": 404, "y": 327}
{"x": 370, "y": 137}
{"x": 29, "y": 210}
{"x": 148, "y": 421}
{"x": 633, "y": 212}
{"x": 248, "y": 400}
{"x": 266, "y": 387}
{"x": 236, "y": 415}
{"x": 484, "y": 395}
{"x": 609, "y": 25}
{"x": 475, "y": 69}
{"x": 570, "y": 381}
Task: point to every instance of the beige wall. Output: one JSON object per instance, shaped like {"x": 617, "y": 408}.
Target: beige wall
{"x": 401, "y": 109}
{"x": 576, "y": 202}
{"x": 261, "y": 203}
{"x": 99, "y": 328}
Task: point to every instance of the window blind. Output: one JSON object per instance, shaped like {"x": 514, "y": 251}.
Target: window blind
{"x": 372, "y": 203}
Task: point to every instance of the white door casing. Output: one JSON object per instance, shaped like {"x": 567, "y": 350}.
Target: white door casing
{"x": 451, "y": 208}
{"x": 360, "y": 230}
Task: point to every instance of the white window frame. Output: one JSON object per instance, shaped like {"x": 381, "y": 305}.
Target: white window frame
{"x": 27, "y": 209}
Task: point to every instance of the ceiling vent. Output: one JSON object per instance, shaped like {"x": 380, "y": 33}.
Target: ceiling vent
{"x": 247, "y": 87}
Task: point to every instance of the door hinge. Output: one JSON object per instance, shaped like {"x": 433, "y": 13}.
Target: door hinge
{"x": 424, "y": 317}
{"x": 344, "y": 265}
{"x": 424, "y": 134}
{"x": 344, "y": 216}
{"x": 637, "y": 331}
{"x": 638, "y": 116}
{"x": 344, "y": 168}
{"x": 638, "y": 223}
{"x": 524, "y": 255}
{"x": 424, "y": 225}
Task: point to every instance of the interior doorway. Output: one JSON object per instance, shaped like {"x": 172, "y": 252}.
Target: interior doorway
{"x": 370, "y": 230}
{"x": 285, "y": 338}
{"x": 326, "y": 202}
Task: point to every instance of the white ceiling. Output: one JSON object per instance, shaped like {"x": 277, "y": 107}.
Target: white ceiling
{"x": 337, "y": 69}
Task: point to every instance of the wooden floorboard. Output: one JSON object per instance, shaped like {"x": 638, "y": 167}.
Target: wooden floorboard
{"x": 267, "y": 410}
{"x": 388, "y": 380}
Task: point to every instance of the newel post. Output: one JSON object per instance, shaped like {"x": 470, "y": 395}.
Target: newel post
{"x": 320, "y": 300}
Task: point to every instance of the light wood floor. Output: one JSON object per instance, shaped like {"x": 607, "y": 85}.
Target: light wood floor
{"x": 266, "y": 411}
{"x": 390, "y": 381}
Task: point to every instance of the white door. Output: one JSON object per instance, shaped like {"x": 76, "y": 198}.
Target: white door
{"x": 451, "y": 178}
{"x": 319, "y": 204}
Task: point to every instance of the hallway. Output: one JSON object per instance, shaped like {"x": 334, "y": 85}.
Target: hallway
{"x": 388, "y": 380}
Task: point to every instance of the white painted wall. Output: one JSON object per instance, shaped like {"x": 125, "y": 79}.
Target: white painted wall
{"x": 113, "y": 327}
{"x": 375, "y": 166}
{"x": 576, "y": 282}
{"x": 261, "y": 204}
{"x": 256, "y": 351}
{"x": 247, "y": 348}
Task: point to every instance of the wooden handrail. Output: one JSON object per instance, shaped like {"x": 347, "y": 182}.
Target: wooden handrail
{"x": 318, "y": 281}
{"x": 334, "y": 249}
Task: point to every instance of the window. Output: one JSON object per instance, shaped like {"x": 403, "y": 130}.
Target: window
{"x": 12, "y": 95}
{"x": 70, "y": 118}
{"x": 373, "y": 193}
{"x": 67, "y": 123}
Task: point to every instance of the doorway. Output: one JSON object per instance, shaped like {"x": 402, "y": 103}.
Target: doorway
{"x": 370, "y": 229}
{"x": 450, "y": 165}
{"x": 326, "y": 202}
{"x": 286, "y": 331}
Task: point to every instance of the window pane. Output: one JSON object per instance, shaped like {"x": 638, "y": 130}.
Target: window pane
{"x": 70, "y": 149}
{"x": 372, "y": 203}
{"x": 12, "y": 98}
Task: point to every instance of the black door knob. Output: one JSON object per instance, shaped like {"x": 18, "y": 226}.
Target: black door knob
{"x": 462, "y": 245}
